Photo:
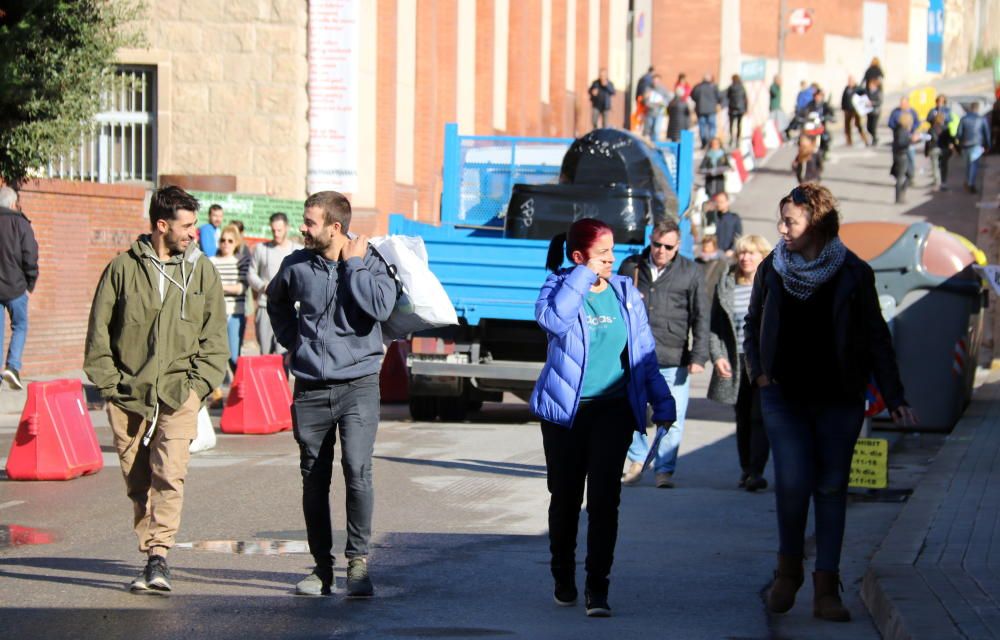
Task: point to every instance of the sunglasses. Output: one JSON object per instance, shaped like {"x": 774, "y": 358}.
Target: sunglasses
{"x": 228, "y": 241}
{"x": 660, "y": 245}
{"x": 798, "y": 196}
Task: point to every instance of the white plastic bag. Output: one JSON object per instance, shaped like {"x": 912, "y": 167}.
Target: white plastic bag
{"x": 423, "y": 302}
{"x": 206, "y": 433}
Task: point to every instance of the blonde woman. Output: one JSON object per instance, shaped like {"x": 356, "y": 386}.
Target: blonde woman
{"x": 730, "y": 382}
{"x": 234, "y": 287}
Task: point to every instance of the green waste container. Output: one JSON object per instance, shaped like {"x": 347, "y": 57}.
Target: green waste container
{"x": 933, "y": 300}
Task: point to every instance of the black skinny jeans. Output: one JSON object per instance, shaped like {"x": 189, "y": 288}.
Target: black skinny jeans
{"x": 751, "y": 436}
{"x": 590, "y": 453}
{"x": 318, "y": 413}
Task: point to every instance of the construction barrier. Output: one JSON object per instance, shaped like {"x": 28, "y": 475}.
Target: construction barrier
{"x": 772, "y": 135}
{"x": 394, "y": 380}
{"x": 757, "y": 140}
{"x": 55, "y": 438}
{"x": 259, "y": 399}
{"x": 739, "y": 165}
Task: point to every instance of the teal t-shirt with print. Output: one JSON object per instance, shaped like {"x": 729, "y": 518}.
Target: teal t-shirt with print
{"x": 606, "y": 365}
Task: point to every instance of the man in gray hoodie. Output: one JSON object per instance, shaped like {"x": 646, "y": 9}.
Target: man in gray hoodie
{"x": 334, "y": 339}
{"x": 267, "y": 258}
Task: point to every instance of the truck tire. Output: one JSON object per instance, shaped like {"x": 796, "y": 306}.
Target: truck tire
{"x": 453, "y": 409}
{"x": 423, "y": 408}
{"x": 475, "y": 406}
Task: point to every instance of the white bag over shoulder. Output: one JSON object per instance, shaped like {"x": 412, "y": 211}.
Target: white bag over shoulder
{"x": 423, "y": 302}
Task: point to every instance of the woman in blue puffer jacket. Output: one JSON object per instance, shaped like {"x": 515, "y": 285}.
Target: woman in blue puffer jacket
{"x": 599, "y": 375}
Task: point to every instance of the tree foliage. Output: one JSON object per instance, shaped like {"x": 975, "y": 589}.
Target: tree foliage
{"x": 54, "y": 56}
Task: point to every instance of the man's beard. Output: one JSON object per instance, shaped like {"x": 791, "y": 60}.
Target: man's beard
{"x": 173, "y": 243}
{"x": 319, "y": 245}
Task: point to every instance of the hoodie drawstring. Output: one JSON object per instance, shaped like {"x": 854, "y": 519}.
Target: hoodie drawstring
{"x": 183, "y": 287}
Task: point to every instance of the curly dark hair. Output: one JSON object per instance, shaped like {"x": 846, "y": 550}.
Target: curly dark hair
{"x": 820, "y": 207}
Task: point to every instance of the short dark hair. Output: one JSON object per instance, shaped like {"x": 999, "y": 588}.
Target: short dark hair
{"x": 167, "y": 201}
{"x": 335, "y": 205}
{"x": 215, "y": 207}
{"x": 820, "y": 207}
{"x": 278, "y": 216}
{"x": 238, "y": 224}
{"x": 667, "y": 225}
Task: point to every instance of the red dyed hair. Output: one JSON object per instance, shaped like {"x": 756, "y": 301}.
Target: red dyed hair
{"x": 582, "y": 235}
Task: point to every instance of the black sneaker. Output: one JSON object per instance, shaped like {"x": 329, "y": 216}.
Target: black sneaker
{"x": 565, "y": 593}
{"x": 597, "y": 605}
{"x": 139, "y": 585}
{"x": 158, "y": 573}
{"x": 359, "y": 584}
{"x": 755, "y": 483}
{"x": 13, "y": 378}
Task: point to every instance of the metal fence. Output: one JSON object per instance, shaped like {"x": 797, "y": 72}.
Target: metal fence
{"x": 121, "y": 143}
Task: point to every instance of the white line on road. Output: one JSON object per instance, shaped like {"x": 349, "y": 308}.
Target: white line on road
{"x": 12, "y": 503}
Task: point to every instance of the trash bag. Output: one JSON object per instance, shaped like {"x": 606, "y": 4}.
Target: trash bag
{"x": 206, "y": 433}
{"x": 542, "y": 211}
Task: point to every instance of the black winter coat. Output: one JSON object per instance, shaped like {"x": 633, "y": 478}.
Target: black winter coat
{"x": 677, "y": 306}
{"x": 707, "y": 98}
{"x": 861, "y": 337}
{"x": 736, "y": 98}
{"x": 18, "y": 255}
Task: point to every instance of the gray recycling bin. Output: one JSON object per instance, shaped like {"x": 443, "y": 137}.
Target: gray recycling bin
{"x": 933, "y": 301}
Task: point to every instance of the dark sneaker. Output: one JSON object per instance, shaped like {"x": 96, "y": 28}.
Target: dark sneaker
{"x": 565, "y": 593}
{"x": 139, "y": 585}
{"x": 597, "y": 605}
{"x": 317, "y": 583}
{"x": 743, "y": 480}
{"x": 13, "y": 378}
{"x": 756, "y": 483}
{"x": 359, "y": 584}
{"x": 158, "y": 573}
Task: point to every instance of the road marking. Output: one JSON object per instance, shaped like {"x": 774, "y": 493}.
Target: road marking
{"x": 12, "y": 503}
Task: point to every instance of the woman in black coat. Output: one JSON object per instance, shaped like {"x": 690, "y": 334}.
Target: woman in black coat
{"x": 814, "y": 336}
{"x": 736, "y": 98}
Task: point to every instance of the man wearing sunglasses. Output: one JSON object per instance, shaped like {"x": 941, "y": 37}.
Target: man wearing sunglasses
{"x": 673, "y": 289}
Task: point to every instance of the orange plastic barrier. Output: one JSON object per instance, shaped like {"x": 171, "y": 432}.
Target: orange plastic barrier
{"x": 740, "y": 166}
{"x": 757, "y": 139}
{"x": 259, "y": 400}
{"x": 394, "y": 379}
{"x": 55, "y": 438}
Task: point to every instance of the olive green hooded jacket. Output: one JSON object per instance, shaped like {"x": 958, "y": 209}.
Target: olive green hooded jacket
{"x": 157, "y": 329}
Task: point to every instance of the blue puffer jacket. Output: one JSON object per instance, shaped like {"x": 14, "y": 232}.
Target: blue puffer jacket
{"x": 559, "y": 311}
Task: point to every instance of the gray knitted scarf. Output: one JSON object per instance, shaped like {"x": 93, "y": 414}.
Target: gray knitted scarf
{"x": 802, "y": 278}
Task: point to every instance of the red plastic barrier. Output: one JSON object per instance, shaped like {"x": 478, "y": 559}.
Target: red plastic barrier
{"x": 757, "y": 139}
{"x": 394, "y": 380}
{"x": 259, "y": 400}
{"x": 55, "y": 439}
{"x": 741, "y": 168}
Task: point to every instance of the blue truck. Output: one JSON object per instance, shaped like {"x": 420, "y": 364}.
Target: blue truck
{"x": 493, "y": 280}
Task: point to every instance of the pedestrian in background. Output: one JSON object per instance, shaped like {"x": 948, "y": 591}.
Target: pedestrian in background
{"x": 713, "y": 167}
{"x": 678, "y": 117}
{"x": 940, "y": 106}
{"x": 851, "y": 117}
{"x": 728, "y": 224}
{"x": 599, "y": 377}
{"x": 713, "y": 262}
{"x": 601, "y": 91}
{"x": 736, "y": 99}
{"x": 730, "y": 382}
{"x": 682, "y": 88}
{"x": 234, "y": 289}
{"x": 808, "y": 162}
{"x": 672, "y": 288}
{"x": 326, "y": 304}
{"x": 655, "y": 100}
{"x": 873, "y": 72}
{"x": 707, "y": 102}
{"x": 938, "y": 148}
{"x": 903, "y": 123}
{"x": 18, "y": 276}
{"x": 156, "y": 347}
{"x": 774, "y": 99}
{"x": 873, "y": 91}
{"x": 208, "y": 233}
{"x": 814, "y": 336}
{"x": 973, "y": 136}
{"x": 264, "y": 264}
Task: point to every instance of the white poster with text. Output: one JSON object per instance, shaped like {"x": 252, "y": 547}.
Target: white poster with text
{"x": 333, "y": 95}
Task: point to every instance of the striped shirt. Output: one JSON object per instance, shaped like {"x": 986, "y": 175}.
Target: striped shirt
{"x": 229, "y": 272}
{"x": 741, "y": 304}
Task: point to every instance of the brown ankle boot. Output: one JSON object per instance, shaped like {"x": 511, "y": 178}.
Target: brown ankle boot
{"x": 788, "y": 578}
{"x": 826, "y": 597}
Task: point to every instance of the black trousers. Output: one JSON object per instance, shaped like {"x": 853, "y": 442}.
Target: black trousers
{"x": 871, "y": 123}
{"x": 591, "y": 453}
{"x": 751, "y": 436}
{"x": 319, "y": 411}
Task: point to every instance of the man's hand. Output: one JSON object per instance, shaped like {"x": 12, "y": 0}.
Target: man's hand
{"x": 724, "y": 369}
{"x": 905, "y": 416}
{"x": 695, "y": 368}
{"x": 762, "y": 381}
{"x": 355, "y": 247}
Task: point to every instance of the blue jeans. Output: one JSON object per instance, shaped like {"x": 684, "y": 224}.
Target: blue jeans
{"x": 17, "y": 309}
{"x": 706, "y": 129}
{"x": 972, "y": 156}
{"x": 235, "y": 325}
{"x": 666, "y": 454}
{"x": 812, "y": 444}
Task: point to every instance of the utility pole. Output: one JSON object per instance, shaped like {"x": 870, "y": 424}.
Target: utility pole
{"x": 782, "y": 17}
{"x": 630, "y": 48}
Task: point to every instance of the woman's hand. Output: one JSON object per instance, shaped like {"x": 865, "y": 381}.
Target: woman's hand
{"x": 596, "y": 265}
{"x": 905, "y": 416}
{"x": 723, "y": 368}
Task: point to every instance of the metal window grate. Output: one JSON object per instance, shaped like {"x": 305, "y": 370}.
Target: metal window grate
{"x": 121, "y": 143}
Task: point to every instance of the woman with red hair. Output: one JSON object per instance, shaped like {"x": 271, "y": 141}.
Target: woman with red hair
{"x": 599, "y": 376}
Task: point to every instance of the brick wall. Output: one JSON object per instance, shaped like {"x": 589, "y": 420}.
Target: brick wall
{"x": 80, "y": 227}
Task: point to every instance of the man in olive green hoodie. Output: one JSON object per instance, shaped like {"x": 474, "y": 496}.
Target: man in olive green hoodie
{"x": 156, "y": 347}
